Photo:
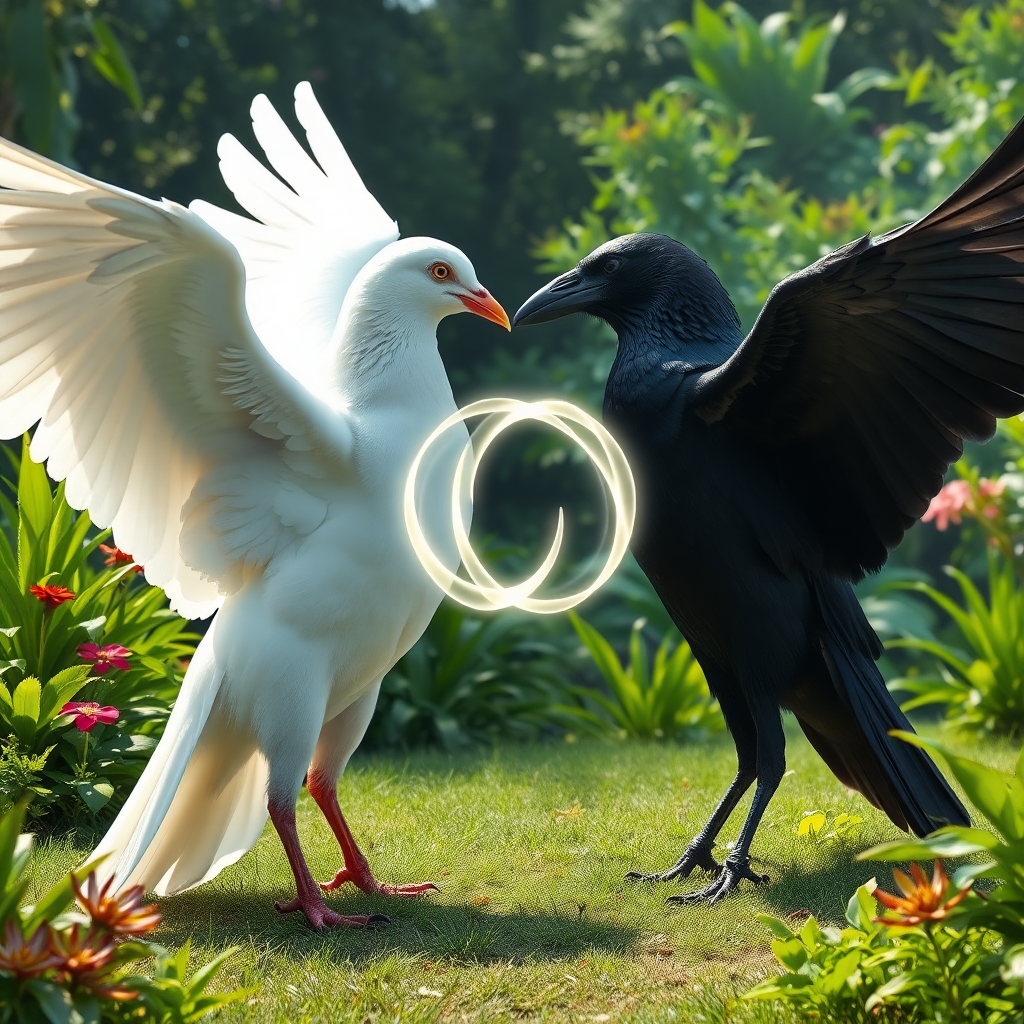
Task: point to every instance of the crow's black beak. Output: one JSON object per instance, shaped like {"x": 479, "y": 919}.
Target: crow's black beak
{"x": 570, "y": 293}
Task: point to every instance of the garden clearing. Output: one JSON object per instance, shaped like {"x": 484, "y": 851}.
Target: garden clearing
{"x": 533, "y": 920}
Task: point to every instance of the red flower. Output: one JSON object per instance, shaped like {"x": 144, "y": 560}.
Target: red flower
{"x": 89, "y": 713}
{"x": 26, "y": 958}
{"x": 115, "y": 556}
{"x": 121, "y": 913}
{"x": 112, "y": 655}
{"x": 921, "y": 901}
{"x": 51, "y": 596}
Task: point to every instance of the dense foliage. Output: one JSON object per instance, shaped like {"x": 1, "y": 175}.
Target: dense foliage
{"x": 91, "y": 659}
{"x": 87, "y": 965}
{"x": 938, "y": 951}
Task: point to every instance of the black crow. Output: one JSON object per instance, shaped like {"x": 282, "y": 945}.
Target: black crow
{"x": 773, "y": 470}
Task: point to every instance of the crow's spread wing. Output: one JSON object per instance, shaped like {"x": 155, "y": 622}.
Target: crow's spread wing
{"x": 865, "y": 372}
{"x": 124, "y": 334}
{"x": 308, "y": 241}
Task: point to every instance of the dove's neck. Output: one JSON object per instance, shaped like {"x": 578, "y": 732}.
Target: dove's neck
{"x": 388, "y": 355}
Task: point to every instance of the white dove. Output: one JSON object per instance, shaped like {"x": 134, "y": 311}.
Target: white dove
{"x": 245, "y": 425}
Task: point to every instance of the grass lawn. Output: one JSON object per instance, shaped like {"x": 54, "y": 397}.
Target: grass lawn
{"x": 529, "y": 846}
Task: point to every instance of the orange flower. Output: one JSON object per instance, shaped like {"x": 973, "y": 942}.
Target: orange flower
{"x": 922, "y": 901}
{"x": 81, "y": 955}
{"x": 120, "y": 913}
{"x": 51, "y": 596}
{"x": 26, "y": 959}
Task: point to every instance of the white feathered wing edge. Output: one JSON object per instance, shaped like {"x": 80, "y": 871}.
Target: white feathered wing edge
{"x": 104, "y": 293}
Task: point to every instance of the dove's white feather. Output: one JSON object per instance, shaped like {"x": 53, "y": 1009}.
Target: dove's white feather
{"x": 314, "y": 233}
{"x": 123, "y": 331}
{"x": 266, "y": 480}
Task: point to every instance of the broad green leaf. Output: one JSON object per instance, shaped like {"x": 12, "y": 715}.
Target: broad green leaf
{"x": 25, "y": 710}
{"x": 991, "y": 791}
{"x": 95, "y": 793}
{"x": 55, "y": 1002}
{"x": 953, "y": 841}
{"x": 862, "y": 907}
{"x": 10, "y": 832}
{"x": 60, "y": 688}
{"x": 778, "y": 928}
{"x": 790, "y": 952}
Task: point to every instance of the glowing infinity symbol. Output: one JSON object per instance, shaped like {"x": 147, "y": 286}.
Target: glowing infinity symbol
{"x": 485, "y": 593}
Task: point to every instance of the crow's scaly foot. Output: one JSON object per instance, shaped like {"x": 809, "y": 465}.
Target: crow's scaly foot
{"x": 696, "y": 855}
{"x": 734, "y": 869}
{"x": 320, "y": 916}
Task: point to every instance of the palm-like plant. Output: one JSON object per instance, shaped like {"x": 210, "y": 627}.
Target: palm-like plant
{"x": 777, "y": 77}
{"x": 982, "y": 684}
{"x": 472, "y": 679}
{"x": 666, "y": 698}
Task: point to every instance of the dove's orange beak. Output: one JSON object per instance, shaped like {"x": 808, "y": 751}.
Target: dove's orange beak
{"x": 486, "y": 305}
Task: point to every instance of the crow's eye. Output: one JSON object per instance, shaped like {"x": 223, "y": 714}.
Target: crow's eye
{"x": 440, "y": 271}
{"x": 611, "y": 265}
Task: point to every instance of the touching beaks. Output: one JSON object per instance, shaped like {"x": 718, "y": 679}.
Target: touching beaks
{"x": 570, "y": 293}
{"x": 484, "y": 304}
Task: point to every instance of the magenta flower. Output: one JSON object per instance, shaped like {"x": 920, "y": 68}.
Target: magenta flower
{"x": 946, "y": 506}
{"x": 109, "y": 656}
{"x": 89, "y": 713}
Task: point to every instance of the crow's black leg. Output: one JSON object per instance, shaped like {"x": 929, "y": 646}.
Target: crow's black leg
{"x": 771, "y": 766}
{"x": 698, "y": 854}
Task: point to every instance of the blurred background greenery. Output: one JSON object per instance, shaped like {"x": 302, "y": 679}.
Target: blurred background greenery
{"x": 527, "y": 132}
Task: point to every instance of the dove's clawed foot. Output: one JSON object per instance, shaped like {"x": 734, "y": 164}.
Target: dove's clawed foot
{"x": 361, "y": 876}
{"x": 734, "y": 870}
{"x": 324, "y": 790}
{"x": 320, "y": 916}
{"x": 697, "y": 855}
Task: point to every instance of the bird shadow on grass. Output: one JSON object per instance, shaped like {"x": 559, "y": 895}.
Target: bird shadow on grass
{"x": 418, "y": 927}
{"x": 823, "y": 886}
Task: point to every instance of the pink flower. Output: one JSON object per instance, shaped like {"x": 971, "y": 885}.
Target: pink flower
{"x": 990, "y": 488}
{"x": 946, "y": 506}
{"x": 112, "y": 655}
{"x": 50, "y": 595}
{"x": 89, "y": 713}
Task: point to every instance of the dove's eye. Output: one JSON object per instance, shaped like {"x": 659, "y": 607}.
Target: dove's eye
{"x": 441, "y": 271}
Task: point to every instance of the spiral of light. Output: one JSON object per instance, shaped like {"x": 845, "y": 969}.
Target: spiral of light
{"x": 482, "y": 591}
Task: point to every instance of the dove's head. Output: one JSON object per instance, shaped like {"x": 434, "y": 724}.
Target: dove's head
{"x": 423, "y": 280}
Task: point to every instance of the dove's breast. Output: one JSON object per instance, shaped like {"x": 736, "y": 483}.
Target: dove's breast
{"x": 371, "y": 598}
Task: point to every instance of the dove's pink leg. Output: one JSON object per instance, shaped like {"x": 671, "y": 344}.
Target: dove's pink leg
{"x": 356, "y": 869}
{"x": 308, "y": 897}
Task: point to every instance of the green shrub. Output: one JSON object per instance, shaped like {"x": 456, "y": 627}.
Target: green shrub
{"x": 939, "y": 953}
{"x": 474, "y": 679}
{"x": 75, "y": 967}
{"x": 667, "y": 698}
{"x": 65, "y": 625}
{"x": 981, "y": 685}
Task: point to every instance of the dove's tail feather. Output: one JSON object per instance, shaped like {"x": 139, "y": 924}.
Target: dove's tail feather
{"x": 199, "y": 805}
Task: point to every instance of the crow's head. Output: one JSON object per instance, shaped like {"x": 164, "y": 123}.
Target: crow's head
{"x": 631, "y": 281}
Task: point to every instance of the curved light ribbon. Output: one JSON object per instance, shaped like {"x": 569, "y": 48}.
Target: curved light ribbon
{"x": 485, "y": 593}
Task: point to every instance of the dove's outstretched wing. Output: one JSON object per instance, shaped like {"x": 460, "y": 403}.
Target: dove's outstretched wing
{"x": 124, "y": 333}
{"x": 308, "y": 241}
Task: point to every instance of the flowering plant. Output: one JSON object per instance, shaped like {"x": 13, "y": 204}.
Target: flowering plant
{"x": 58, "y": 964}
{"x": 937, "y": 951}
{"x": 90, "y": 656}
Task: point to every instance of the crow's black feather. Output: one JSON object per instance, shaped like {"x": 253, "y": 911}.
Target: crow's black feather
{"x": 772, "y": 470}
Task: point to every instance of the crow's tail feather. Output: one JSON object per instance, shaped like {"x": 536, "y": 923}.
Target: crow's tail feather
{"x": 900, "y": 779}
